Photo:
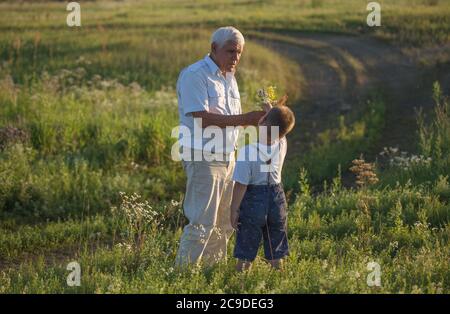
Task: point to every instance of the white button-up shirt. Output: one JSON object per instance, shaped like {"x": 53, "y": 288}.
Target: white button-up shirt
{"x": 202, "y": 87}
{"x": 251, "y": 165}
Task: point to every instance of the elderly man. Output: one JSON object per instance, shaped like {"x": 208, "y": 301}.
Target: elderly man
{"x": 208, "y": 96}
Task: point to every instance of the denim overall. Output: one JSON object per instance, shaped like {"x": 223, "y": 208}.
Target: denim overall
{"x": 262, "y": 215}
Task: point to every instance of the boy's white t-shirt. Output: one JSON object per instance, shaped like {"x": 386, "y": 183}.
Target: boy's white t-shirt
{"x": 251, "y": 164}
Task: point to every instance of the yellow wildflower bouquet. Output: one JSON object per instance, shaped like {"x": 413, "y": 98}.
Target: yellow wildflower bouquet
{"x": 269, "y": 95}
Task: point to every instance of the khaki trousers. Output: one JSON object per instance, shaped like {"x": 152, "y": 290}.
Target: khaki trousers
{"x": 206, "y": 204}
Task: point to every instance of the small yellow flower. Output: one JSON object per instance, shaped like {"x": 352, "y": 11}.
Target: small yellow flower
{"x": 268, "y": 94}
{"x": 271, "y": 94}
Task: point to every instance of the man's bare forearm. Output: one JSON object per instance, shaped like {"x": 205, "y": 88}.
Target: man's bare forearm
{"x": 222, "y": 121}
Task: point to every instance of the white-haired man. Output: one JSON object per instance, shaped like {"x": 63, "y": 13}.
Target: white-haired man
{"x": 208, "y": 96}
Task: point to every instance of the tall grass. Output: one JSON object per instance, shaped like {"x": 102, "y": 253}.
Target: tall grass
{"x": 333, "y": 236}
{"x": 412, "y": 22}
{"x": 432, "y": 161}
{"x": 89, "y": 136}
{"x": 336, "y": 148}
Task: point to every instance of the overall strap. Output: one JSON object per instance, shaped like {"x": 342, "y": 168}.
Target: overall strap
{"x": 268, "y": 162}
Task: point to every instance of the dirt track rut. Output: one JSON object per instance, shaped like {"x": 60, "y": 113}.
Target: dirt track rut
{"x": 339, "y": 72}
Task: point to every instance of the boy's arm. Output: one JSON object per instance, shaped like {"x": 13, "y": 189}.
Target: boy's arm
{"x": 238, "y": 195}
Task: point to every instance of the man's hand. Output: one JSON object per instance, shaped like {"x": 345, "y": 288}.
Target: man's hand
{"x": 266, "y": 106}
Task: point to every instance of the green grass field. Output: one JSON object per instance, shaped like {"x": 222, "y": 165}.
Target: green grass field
{"x": 85, "y": 123}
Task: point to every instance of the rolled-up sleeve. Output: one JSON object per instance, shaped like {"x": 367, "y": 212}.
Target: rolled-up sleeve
{"x": 193, "y": 92}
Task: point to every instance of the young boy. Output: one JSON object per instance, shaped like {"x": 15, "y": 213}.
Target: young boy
{"x": 258, "y": 207}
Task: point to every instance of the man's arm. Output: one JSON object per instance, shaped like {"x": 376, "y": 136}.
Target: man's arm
{"x": 222, "y": 121}
{"x": 238, "y": 194}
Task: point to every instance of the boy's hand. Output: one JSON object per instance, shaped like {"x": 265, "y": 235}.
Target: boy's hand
{"x": 238, "y": 194}
{"x": 234, "y": 217}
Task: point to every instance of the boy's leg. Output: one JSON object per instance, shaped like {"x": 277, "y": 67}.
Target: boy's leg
{"x": 275, "y": 231}
{"x": 248, "y": 239}
{"x": 243, "y": 265}
{"x": 277, "y": 264}
{"x": 252, "y": 218}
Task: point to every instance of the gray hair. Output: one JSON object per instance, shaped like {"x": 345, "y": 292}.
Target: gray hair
{"x": 224, "y": 34}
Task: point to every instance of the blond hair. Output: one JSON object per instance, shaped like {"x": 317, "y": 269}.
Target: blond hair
{"x": 283, "y": 117}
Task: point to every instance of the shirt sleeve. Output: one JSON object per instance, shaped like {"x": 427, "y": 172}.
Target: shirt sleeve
{"x": 193, "y": 93}
{"x": 242, "y": 171}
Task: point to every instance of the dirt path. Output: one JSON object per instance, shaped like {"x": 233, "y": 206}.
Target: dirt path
{"x": 339, "y": 73}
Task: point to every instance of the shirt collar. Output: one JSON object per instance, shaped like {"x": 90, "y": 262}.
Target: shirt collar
{"x": 214, "y": 68}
